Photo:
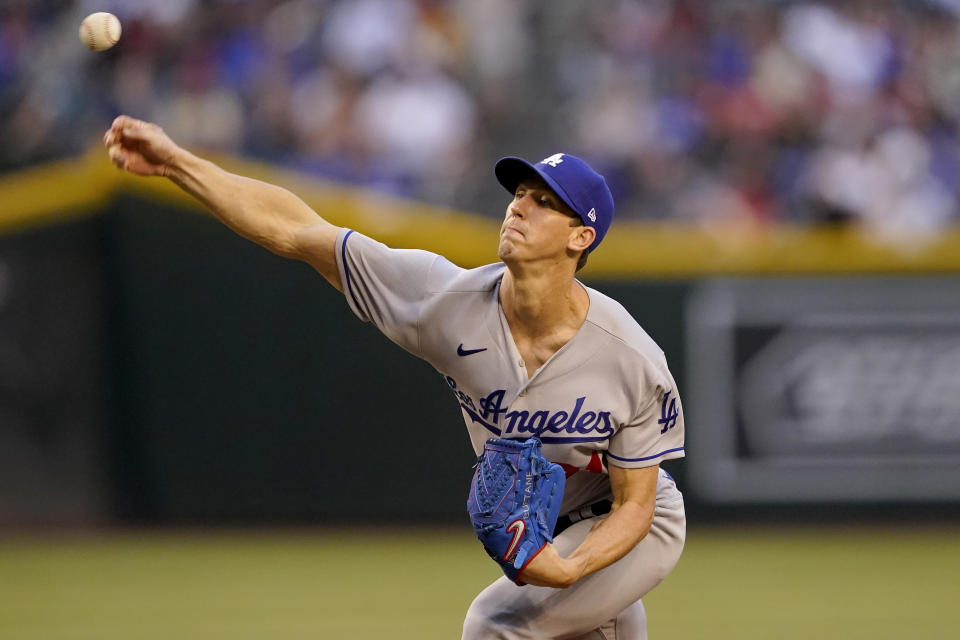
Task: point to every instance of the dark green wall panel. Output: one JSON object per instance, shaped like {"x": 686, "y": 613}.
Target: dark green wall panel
{"x": 249, "y": 390}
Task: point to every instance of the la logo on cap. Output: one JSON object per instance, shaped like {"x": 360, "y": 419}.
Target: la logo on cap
{"x": 553, "y": 160}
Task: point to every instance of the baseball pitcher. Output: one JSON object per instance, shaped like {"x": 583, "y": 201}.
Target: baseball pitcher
{"x": 568, "y": 403}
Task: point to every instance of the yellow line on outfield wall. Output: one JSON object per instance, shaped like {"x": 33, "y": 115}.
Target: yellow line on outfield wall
{"x": 54, "y": 192}
{"x": 86, "y": 186}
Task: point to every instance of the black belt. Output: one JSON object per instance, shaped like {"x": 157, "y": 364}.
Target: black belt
{"x": 590, "y": 511}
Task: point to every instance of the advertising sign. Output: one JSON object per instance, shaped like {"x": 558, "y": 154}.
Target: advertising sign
{"x": 824, "y": 390}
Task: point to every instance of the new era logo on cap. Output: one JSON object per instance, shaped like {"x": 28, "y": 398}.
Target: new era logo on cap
{"x": 574, "y": 181}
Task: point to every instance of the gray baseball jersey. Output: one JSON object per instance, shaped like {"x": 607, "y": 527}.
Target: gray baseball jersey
{"x": 605, "y": 397}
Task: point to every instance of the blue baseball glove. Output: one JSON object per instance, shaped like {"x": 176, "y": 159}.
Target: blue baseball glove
{"x": 514, "y": 501}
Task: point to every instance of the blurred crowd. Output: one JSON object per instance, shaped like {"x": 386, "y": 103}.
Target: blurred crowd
{"x": 706, "y": 111}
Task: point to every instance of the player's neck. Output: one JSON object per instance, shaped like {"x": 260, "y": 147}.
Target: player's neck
{"x": 542, "y": 304}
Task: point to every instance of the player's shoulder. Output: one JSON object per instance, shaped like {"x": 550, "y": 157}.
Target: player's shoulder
{"x": 610, "y": 316}
{"x": 446, "y": 277}
{"x": 441, "y": 275}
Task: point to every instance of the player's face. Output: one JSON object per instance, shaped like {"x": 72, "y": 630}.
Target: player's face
{"x": 537, "y": 224}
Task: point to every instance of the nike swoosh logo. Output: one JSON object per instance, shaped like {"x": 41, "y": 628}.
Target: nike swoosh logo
{"x": 517, "y": 527}
{"x": 466, "y": 352}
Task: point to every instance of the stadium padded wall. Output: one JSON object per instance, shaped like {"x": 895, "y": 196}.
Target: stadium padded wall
{"x": 53, "y": 376}
{"x": 249, "y": 391}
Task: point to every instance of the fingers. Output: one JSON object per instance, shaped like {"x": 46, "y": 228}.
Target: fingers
{"x": 127, "y": 127}
{"x": 110, "y": 138}
{"x": 138, "y": 147}
{"x": 115, "y": 134}
{"x": 117, "y": 155}
{"x": 138, "y": 130}
{"x": 125, "y": 122}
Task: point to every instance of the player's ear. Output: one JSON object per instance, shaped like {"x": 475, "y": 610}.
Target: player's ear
{"x": 581, "y": 238}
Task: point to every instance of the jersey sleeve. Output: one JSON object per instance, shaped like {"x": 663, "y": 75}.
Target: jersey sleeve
{"x": 655, "y": 434}
{"x": 385, "y": 286}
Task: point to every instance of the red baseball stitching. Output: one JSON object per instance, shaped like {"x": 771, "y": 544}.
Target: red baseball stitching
{"x": 106, "y": 29}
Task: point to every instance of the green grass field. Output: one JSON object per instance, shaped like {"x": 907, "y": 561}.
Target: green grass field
{"x": 769, "y": 583}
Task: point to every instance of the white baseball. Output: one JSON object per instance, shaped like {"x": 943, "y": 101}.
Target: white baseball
{"x": 100, "y": 31}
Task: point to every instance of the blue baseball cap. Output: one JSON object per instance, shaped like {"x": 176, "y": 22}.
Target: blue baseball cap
{"x": 583, "y": 189}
